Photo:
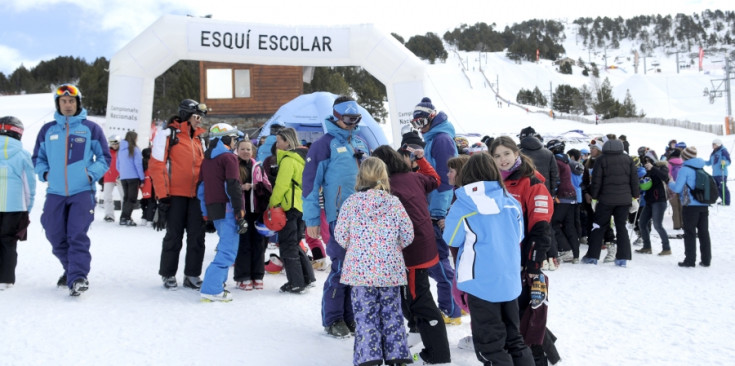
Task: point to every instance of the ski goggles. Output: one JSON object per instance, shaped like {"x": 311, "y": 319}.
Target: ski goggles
{"x": 347, "y": 112}
{"x": 201, "y": 109}
{"x": 419, "y": 123}
{"x": 67, "y": 89}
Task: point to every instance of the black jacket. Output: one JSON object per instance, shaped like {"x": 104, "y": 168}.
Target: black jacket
{"x": 659, "y": 175}
{"x": 544, "y": 160}
{"x": 614, "y": 177}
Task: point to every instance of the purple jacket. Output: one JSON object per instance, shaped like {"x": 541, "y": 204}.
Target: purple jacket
{"x": 411, "y": 189}
{"x": 220, "y": 183}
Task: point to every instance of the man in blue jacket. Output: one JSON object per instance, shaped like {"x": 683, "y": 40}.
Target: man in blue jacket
{"x": 438, "y": 134}
{"x": 331, "y": 166}
{"x": 71, "y": 154}
{"x": 720, "y": 160}
{"x": 695, "y": 214}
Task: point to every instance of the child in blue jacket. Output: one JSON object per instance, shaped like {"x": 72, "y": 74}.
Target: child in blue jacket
{"x": 486, "y": 224}
{"x": 17, "y": 190}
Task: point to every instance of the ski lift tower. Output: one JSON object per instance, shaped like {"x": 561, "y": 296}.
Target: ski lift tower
{"x": 716, "y": 92}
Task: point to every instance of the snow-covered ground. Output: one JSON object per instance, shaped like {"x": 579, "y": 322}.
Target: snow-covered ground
{"x": 651, "y": 313}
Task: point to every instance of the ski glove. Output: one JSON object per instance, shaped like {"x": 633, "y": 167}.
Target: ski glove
{"x": 209, "y": 226}
{"x": 634, "y": 206}
{"x": 159, "y": 221}
{"x": 533, "y": 268}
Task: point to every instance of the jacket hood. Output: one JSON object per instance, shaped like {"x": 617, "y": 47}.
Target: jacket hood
{"x": 61, "y": 119}
{"x": 377, "y": 203}
{"x": 613, "y": 147}
{"x": 486, "y": 198}
{"x": 10, "y": 146}
{"x": 675, "y": 161}
{"x": 440, "y": 124}
{"x": 696, "y": 163}
{"x": 297, "y": 154}
{"x": 531, "y": 143}
{"x": 652, "y": 155}
{"x": 218, "y": 150}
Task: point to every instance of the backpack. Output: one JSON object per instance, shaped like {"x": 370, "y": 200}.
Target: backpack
{"x": 705, "y": 188}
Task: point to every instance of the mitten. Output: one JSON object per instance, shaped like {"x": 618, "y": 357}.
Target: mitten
{"x": 634, "y": 206}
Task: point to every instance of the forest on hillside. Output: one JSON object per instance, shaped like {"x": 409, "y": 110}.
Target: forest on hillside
{"x": 713, "y": 30}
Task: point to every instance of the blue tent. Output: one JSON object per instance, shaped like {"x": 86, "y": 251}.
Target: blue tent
{"x": 306, "y": 114}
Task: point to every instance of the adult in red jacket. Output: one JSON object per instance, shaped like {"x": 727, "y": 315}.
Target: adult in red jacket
{"x": 174, "y": 167}
{"x": 418, "y": 304}
{"x": 526, "y": 185}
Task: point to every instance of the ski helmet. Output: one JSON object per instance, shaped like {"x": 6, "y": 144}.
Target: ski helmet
{"x": 263, "y": 230}
{"x": 11, "y": 126}
{"x": 645, "y": 183}
{"x": 187, "y": 107}
{"x": 70, "y": 90}
{"x": 556, "y": 146}
{"x": 347, "y": 112}
{"x": 224, "y": 132}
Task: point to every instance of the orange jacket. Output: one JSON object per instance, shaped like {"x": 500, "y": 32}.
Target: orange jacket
{"x": 175, "y": 169}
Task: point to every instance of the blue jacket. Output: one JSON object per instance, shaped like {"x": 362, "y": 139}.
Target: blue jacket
{"x": 264, "y": 150}
{"x": 129, "y": 167}
{"x": 486, "y": 224}
{"x": 715, "y": 160}
{"x": 331, "y": 165}
{"x": 74, "y": 153}
{"x": 17, "y": 179}
{"x": 687, "y": 177}
{"x": 440, "y": 147}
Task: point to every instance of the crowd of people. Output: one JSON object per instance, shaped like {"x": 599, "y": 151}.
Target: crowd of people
{"x": 484, "y": 221}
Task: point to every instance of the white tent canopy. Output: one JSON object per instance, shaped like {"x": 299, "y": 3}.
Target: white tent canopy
{"x": 172, "y": 38}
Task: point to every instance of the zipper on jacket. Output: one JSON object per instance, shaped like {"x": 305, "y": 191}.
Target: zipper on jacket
{"x": 66, "y": 159}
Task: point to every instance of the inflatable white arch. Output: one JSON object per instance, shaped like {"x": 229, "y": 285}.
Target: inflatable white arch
{"x": 134, "y": 68}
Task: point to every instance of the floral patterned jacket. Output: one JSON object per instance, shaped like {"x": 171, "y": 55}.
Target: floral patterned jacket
{"x": 373, "y": 227}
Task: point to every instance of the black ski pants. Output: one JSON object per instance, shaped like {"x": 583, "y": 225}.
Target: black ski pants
{"x": 10, "y": 223}
{"x": 496, "y": 333}
{"x": 565, "y": 230}
{"x": 696, "y": 225}
{"x": 603, "y": 213}
{"x": 130, "y": 197}
{"x": 299, "y": 271}
{"x": 420, "y": 309}
{"x": 185, "y": 214}
{"x": 249, "y": 263}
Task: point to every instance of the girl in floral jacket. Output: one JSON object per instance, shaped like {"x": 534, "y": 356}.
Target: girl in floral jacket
{"x": 373, "y": 227}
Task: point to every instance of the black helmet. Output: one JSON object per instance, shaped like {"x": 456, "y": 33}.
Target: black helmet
{"x": 556, "y": 146}
{"x": 11, "y": 126}
{"x": 187, "y": 107}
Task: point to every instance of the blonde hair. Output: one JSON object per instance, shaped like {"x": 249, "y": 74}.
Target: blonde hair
{"x": 289, "y": 135}
{"x": 373, "y": 174}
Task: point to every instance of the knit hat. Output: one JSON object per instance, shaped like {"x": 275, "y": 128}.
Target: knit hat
{"x": 596, "y": 144}
{"x": 528, "y": 131}
{"x": 717, "y": 142}
{"x": 424, "y": 109}
{"x": 584, "y": 151}
{"x": 688, "y": 153}
{"x": 412, "y": 138}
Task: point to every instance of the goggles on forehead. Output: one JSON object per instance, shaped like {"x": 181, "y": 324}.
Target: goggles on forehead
{"x": 347, "y": 112}
{"x": 67, "y": 89}
{"x": 201, "y": 109}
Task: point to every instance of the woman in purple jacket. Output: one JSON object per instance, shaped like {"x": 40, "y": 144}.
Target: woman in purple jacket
{"x": 130, "y": 166}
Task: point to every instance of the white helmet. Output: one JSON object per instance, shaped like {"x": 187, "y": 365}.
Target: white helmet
{"x": 222, "y": 129}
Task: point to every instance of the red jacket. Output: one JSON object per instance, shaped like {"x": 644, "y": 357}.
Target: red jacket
{"x": 175, "y": 169}
{"x": 112, "y": 173}
{"x": 538, "y": 208}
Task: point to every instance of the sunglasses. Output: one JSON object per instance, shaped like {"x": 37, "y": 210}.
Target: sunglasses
{"x": 351, "y": 119}
{"x": 69, "y": 90}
